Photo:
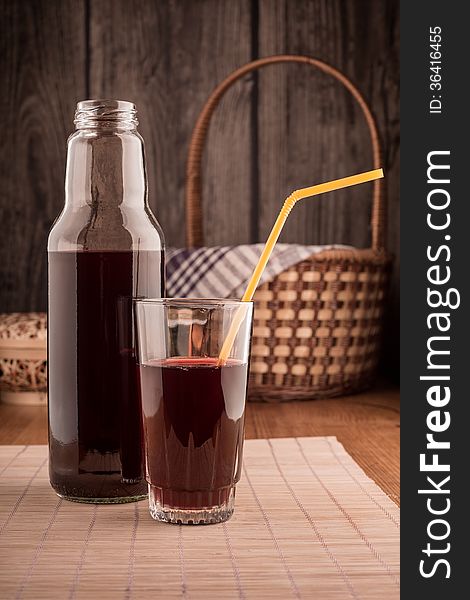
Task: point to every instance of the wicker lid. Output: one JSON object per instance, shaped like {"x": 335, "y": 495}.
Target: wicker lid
{"x": 23, "y": 326}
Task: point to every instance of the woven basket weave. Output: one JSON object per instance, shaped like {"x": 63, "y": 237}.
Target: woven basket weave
{"x": 317, "y": 326}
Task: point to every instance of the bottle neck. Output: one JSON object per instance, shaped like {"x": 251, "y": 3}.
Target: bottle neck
{"x": 105, "y": 159}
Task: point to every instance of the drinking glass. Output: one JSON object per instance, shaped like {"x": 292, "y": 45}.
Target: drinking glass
{"x": 193, "y": 405}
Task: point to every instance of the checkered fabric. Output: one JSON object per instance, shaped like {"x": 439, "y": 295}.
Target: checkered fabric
{"x": 224, "y": 271}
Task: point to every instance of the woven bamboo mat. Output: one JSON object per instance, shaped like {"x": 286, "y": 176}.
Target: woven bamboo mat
{"x": 308, "y": 523}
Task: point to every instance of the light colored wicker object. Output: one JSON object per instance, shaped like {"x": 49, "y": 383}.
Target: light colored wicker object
{"x": 317, "y": 326}
{"x": 23, "y": 353}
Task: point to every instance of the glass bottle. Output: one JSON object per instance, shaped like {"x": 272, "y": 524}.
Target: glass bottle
{"x": 105, "y": 248}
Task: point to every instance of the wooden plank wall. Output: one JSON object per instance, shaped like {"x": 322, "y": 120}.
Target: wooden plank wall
{"x": 285, "y": 127}
{"x": 42, "y": 74}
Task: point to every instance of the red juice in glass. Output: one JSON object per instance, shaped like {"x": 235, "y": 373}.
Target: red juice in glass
{"x": 193, "y": 422}
{"x": 193, "y": 409}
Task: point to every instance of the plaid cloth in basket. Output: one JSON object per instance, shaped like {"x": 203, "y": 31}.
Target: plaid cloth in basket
{"x": 224, "y": 271}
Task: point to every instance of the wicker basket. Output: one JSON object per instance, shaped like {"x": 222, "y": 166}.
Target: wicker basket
{"x": 317, "y": 326}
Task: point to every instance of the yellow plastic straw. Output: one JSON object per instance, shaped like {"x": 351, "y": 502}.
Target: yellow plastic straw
{"x": 297, "y": 195}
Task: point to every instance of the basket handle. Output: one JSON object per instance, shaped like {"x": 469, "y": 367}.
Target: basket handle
{"x": 194, "y": 230}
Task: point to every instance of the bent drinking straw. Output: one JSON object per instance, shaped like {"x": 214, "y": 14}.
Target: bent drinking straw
{"x": 297, "y": 195}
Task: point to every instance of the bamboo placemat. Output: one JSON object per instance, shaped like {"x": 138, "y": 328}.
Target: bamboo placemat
{"x": 308, "y": 523}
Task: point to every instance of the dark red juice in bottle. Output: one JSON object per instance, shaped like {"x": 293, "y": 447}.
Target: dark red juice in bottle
{"x": 96, "y": 445}
{"x": 194, "y": 425}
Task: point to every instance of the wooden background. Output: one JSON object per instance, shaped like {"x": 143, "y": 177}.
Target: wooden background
{"x": 283, "y": 128}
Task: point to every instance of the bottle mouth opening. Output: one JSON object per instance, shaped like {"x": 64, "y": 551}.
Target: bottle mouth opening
{"x": 105, "y": 113}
